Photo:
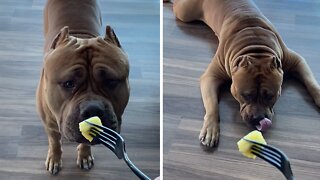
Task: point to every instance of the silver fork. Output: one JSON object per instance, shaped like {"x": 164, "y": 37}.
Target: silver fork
{"x": 273, "y": 156}
{"x": 116, "y": 144}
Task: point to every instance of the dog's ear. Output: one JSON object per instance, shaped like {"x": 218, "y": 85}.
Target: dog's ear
{"x": 241, "y": 61}
{"x": 61, "y": 37}
{"x": 275, "y": 63}
{"x": 111, "y": 37}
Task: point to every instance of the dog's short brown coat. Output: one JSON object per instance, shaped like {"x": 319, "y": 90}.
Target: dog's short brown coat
{"x": 83, "y": 75}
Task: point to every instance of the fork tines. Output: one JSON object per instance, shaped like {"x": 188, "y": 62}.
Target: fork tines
{"x": 105, "y": 129}
{"x": 116, "y": 144}
{"x": 109, "y": 138}
{"x": 273, "y": 156}
{"x": 267, "y": 155}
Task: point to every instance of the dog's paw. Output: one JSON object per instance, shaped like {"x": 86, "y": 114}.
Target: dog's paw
{"x": 209, "y": 135}
{"x": 85, "y": 162}
{"x": 85, "y": 158}
{"x": 53, "y": 162}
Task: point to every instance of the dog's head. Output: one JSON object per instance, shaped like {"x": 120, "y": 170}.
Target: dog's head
{"x": 256, "y": 85}
{"x": 83, "y": 78}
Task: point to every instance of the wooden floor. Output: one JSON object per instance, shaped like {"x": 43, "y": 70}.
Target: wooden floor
{"x": 23, "y": 143}
{"x": 188, "y": 48}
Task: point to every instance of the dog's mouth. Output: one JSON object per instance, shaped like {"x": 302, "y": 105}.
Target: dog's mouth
{"x": 261, "y": 123}
{"x": 264, "y": 124}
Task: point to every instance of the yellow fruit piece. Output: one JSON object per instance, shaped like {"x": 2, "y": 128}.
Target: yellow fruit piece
{"x": 85, "y": 127}
{"x": 245, "y": 146}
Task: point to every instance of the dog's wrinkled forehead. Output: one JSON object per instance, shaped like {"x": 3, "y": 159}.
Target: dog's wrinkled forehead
{"x": 87, "y": 53}
{"x": 108, "y": 53}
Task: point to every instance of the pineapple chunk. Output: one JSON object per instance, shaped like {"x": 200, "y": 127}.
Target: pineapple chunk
{"x": 85, "y": 127}
{"x": 245, "y": 146}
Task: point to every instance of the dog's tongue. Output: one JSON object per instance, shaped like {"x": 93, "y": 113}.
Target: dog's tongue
{"x": 264, "y": 124}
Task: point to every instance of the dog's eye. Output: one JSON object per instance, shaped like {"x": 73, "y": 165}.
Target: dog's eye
{"x": 112, "y": 83}
{"x": 247, "y": 97}
{"x": 68, "y": 84}
{"x": 268, "y": 97}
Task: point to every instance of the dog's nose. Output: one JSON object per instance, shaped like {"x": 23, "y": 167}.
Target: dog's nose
{"x": 256, "y": 119}
{"x": 92, "y": 108}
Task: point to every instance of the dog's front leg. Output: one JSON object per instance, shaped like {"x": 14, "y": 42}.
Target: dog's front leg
{"x": 85, "y": 158}
{"x": 209, "y": 84}
{"x": 300, "y": 69}
{"x": 53, "y": 162}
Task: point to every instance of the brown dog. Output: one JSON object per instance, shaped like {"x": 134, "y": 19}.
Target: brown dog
{"x": 83, "y": 76}
{"x": 251, "y": 54}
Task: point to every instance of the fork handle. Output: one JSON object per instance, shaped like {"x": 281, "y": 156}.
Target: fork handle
{"x": 290, "y": 177}
{"x": 134, "y": 169}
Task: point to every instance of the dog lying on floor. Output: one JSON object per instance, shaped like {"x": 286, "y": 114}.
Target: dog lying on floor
{"x": 251, "y": 55}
